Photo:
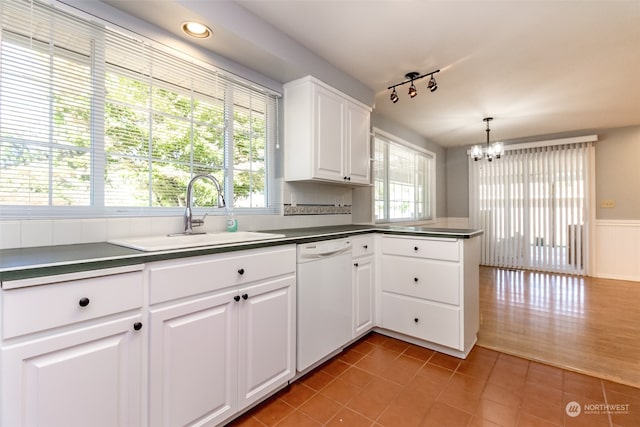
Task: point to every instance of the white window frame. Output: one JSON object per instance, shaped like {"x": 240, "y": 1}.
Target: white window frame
{"x": 96, "y": 208}
{"x": 430, "y": 188}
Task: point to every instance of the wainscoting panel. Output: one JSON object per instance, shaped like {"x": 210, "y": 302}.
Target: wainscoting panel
{"x": 617, "y": 249}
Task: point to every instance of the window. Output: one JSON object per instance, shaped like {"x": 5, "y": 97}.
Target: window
{"x": 534, "y": 206}
{"x": 96, "y": 122}
{"x": 404, "y": 180}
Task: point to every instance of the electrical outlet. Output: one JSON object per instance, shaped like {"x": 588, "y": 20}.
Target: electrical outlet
{"x": 608, "y": 204}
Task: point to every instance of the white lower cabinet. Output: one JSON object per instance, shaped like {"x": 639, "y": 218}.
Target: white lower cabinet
{"x": 363, "y": 280}
{"x": 215, "y": 353}
{"x": 192, "y": 359}
{"x": 73, "y": 357}
{"x": 429, "y": 291}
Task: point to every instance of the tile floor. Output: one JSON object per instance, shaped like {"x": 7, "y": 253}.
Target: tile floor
{"x": 381, "y": 381}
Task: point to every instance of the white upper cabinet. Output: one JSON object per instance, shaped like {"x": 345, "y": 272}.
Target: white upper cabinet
{"x": 326, "y": 134}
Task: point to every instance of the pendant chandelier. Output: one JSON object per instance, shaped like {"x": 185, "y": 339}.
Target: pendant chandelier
{"x": 491, "y": 151}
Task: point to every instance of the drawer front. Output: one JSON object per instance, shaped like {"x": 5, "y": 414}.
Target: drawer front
{"x": 36, "y": 308}
{"x": 176, "y": 279}
{"x": 422, "y": 319}
{"x": 363, "y": 245}
{"x": 421, "y": 278}
{"x": 443, "y": 249}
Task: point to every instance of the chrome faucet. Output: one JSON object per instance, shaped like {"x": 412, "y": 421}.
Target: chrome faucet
{"x": 189, "y": 222}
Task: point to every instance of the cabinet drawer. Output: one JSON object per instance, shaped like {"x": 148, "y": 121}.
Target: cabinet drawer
{"x": 36, "y": 308}
{"x": 422, "y": 319}
{"x": 444, "y": 249}
{"x": 421, "y": 278}
{"x": 362, "y": 245}
{"x": 176, "y": 279}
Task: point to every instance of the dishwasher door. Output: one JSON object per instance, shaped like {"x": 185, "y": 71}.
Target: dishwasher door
{"x": 324, "y": 299}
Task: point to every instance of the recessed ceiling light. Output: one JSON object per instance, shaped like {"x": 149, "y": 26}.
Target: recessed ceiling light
{"x": 196, "y": 29}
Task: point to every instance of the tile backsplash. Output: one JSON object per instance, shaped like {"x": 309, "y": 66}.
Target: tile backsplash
{"x": 30, "y": 233}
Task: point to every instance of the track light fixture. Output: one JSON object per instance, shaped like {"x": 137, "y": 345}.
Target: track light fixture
{"x": 492, "y": 150}
{"x": 413, "y": 91}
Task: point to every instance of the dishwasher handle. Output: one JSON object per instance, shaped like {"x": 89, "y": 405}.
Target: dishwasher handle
{"x": 324, "y": 249}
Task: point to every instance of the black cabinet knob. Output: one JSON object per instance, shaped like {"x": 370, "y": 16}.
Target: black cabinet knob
{"x": 137, "y": 326}
{"x": 416, "y": 320}
{"x": 245, "y": 296}
{"x": 345, "y": 178}
{"x": 365, "y": 246}
{"x": 241, "y": 271}
{"x": 415, "y": 248}
{"x": 84, "y": 302}
{"x": 355, "y": 264}
{"x": 237, "y": 298}
{"x": 349, "y": 178}
{"x": 415, "y": 279}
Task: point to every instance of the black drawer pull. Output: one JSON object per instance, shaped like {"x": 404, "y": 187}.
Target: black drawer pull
{"x": 237, "y": 298}
{"x": 416, "y": 320}
{"x": 245, "y": 296}
{"x": 84, "y": 302}
{"x": 355, "y": 264}
{"x": 415, "y": 279}
{"x": 415, "y": 248}
{"x": 137, "y": 326}
{"x": 241, "y": 271}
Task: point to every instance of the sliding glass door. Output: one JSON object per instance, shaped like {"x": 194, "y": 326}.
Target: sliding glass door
{"x": 533, "y": 205}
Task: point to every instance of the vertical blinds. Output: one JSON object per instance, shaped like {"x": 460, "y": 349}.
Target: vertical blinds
{"x": 93, "y": 120}
{"x": 533, "y": 206}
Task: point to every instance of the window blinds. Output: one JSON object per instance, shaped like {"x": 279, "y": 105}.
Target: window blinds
{"x": 533, "y": 205}
{"x": 95, "y": 120}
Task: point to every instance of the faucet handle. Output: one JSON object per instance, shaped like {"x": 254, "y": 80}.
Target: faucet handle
{"x": 198, "y": 222}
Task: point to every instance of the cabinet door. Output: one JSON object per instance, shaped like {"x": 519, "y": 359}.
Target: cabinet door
{"x": 192, "y": 361}
{"x": 266, "y": 354}
{"x": 362, "y": 295}
{"x": 90, "y": 376}
{"x": 329, "y": 135}
{"x": 358, "y": 145}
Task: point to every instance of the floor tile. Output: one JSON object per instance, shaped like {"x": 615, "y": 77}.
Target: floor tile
{"x": 341, "y": 391}
{"x": 498, "y": 413}
{"x": 298, "y": 419}
{"x": 347, "y": 418}
{"x": 374, "y": 398}
{"x": 273, "y": 412}
{"x": 442, "y": 415}
{"x": 317, "y": 380}
{"x": 296, "y": 394}
{"x": 357, "y": 376}
{"x": 444, "y": 361}
{"x": 320, "y": 408}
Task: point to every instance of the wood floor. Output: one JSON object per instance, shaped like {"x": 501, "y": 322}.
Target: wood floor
{"x": 582, "y": 324}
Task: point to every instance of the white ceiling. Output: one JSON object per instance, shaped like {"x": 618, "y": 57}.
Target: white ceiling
{"x": 537, "y": 67}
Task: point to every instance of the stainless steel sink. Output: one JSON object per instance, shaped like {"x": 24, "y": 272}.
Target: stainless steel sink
{"x": 179, "y": 241}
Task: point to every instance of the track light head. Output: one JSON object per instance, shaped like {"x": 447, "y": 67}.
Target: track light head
{"x": 412, "y": 90}
{"x": 432, "y": 85}
{"x": 394, "y": 96}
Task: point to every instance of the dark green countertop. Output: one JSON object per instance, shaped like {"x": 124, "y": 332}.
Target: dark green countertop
{"x": 23, "y": 263}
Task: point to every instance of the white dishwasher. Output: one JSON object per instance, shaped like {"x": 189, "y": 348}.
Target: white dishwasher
{"x": 324, "y": 299}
